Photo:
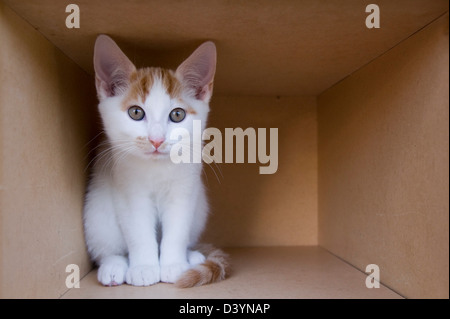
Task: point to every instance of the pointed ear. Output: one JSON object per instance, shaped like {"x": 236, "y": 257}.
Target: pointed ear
{"x": 197, "y": 71}
{"x": 112, "y": 68}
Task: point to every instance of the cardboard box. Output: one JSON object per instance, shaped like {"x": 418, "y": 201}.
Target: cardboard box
{"x": 362, "y": 115}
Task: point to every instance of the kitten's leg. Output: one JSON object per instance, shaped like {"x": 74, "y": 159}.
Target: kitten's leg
{"x": 178, "y": 220}
{"x": 137, "y": 217}
{"x": 195, "y": 257}
{"x": 103, "y": 236}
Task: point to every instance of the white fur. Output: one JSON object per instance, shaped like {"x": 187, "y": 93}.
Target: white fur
{"x": 133, "y": 193}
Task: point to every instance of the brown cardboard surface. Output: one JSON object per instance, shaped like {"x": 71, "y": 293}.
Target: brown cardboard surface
{"x": 265, "y": 47}
{"x": 45, "y": 104}
{"x": 383, "y": 165}
{"x": 261, "y": 273}
{"x": 250, "y": 209}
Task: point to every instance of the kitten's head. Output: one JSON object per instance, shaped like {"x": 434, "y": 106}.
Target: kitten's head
{"x": 140, "y": 108}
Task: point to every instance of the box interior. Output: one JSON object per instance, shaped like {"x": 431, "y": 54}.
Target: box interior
{"x": 362, "y": 116}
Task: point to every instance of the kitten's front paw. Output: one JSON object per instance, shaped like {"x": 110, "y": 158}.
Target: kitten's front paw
{"x": 144, "y": 275}
{"x": 112, "y": 271}
{"x": 170, "y": 273}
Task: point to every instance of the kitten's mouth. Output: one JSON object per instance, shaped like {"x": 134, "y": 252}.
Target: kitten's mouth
{"x": 155, "y": 153}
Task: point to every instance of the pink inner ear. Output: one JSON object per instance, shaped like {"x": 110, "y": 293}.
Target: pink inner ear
{"x": 112, "y": 67}
{"x": 198, "y": 70}
{"x": 102, "y": 87}
{"x": 205, "y": 91}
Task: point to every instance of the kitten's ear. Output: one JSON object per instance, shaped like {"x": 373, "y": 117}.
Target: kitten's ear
{"x": 112, "y": 68}
{"x": 197, "y": 71}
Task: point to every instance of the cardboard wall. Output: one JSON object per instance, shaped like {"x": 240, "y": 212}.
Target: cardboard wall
{"x": 46, "y": 101}
{"x": 383, "y": 165}
{"x": 250, "y": 209}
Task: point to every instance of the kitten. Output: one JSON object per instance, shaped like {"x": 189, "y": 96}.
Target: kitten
{"x": 143, "y": 213}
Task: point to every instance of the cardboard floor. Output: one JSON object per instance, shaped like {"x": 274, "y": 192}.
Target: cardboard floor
{"x": 269, "y": 272}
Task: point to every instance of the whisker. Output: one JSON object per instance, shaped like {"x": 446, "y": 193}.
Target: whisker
{"x": 105, "y": 152}
{"x": 121, "y": 155}
{"x": 91, "y": 140}
{"x": 194, "y": 151}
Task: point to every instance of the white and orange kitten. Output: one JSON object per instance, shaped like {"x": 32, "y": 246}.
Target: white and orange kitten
{"x": 143, "y": 213}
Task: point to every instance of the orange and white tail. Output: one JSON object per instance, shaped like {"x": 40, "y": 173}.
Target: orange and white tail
{"x": 216, "y": 267}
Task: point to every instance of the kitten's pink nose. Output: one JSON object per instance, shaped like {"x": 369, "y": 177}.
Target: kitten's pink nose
{"x": 156, "y": 142}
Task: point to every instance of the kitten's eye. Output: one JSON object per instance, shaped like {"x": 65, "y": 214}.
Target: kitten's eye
{"x": 136, "y": 113}
{"x": 177, "y": 115}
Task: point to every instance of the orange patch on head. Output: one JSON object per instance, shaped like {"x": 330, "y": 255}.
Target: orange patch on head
{"x": 190, "y": 110}
{"x": 171, "y": 83}
{"x": 142, "y": 80}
